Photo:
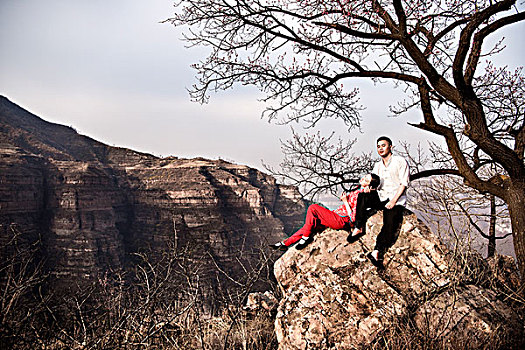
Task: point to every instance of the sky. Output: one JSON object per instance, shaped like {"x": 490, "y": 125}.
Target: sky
{"x": 114, "y": 72}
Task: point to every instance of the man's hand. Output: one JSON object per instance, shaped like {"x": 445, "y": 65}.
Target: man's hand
{"x": 343, "y": 197}
{"x": 390, "y": 204}
{"x": 401, "y": 189}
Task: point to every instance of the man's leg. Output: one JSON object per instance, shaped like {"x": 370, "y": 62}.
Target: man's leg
{"x": 392, "y": 220}
{"x": 366, "y": 203}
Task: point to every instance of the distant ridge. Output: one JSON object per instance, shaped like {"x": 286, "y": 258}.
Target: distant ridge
{"x": 94, "y": 205}
{"x": 30, "y": 132}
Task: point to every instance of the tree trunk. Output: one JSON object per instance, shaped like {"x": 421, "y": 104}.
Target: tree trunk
{"x": 492, "y": 227}
{"x": 516, "y": 203}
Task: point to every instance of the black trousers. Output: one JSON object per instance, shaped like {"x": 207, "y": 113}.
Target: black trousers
{"x": 367, "y": 205}
{"x": 392, "y": 220}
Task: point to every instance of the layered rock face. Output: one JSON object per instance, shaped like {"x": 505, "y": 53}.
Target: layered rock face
{"x": 334, "y": 298}
{"x": 25, "y": 205}
{"x": 94, "y": 205}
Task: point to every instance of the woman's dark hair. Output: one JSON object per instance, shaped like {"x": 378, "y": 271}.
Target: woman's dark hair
{"x": 375, "y": 180}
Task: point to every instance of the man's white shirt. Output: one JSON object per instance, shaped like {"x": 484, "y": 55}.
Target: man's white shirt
{"x": 393, "y": 175}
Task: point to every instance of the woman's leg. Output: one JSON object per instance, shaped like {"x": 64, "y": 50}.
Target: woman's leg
{"x": 317, "y": 219}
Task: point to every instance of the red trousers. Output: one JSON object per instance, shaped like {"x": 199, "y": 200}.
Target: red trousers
{"x": 317, "y": 219}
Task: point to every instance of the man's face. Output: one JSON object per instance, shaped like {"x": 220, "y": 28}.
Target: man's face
{"x": 384, "y": 148}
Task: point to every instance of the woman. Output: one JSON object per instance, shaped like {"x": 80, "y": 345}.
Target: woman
{"x": 351, "y": 214}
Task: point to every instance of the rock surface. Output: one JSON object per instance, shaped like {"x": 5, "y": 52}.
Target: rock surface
{"x": 94, "y": 205}
{"x": 260, "y": 302}
{"x": 334, "y": 298}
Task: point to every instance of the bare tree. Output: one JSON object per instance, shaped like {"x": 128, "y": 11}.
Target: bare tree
{"x": 448, "y": 205}
{"x": 305, "y": 55}
{"x": 161, "y": 303}
{"x": 460, "y": 215}
{"x": 318, "y": 164}
{"x": 21, "y": 274}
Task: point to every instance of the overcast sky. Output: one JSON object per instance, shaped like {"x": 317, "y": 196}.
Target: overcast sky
{"x": 115, "y": 73}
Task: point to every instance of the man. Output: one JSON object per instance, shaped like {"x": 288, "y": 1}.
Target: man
{"x": 394, "y": 173}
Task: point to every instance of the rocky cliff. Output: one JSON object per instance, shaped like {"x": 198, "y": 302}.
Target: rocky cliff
{"x": 427, "y": 297}
{"x": 93, "y": 205}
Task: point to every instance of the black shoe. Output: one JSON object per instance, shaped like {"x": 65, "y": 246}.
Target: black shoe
{"x": 279, "y": 245}
{"x": 376, "y": 262}
{"x": 302, "y": 243}
{"x": 354, "y": 238}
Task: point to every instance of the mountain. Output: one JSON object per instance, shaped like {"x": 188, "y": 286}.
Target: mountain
{"x": 94, "y": 207}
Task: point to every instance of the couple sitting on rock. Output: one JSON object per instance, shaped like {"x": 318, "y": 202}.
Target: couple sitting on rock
{"x": 384, "y": 189}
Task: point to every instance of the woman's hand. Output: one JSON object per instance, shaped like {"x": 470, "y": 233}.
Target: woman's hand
{"x": 343, "y": 197}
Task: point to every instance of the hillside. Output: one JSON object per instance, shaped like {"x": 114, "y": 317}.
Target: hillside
{"x": 94, "y": 207}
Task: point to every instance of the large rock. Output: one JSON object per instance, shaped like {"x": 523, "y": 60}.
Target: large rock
{"x": 334, "y": 298}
